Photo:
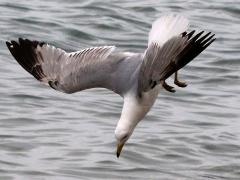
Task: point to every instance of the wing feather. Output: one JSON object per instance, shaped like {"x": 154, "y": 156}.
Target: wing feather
{"x": 160, "y": 62}
{"x": 66, "y": 72}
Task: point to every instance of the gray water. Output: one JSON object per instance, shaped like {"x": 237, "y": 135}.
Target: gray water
{"x": 192, "y": 134}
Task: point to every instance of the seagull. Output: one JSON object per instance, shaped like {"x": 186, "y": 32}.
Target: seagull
{"x": 136, "y": 77}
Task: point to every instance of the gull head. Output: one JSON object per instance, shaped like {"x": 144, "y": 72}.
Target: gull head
{"x": 122, "y": 136}
{"x": 133, "y": 112}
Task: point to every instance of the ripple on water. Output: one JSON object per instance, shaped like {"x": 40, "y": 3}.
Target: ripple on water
{"x": 191, "y": 134}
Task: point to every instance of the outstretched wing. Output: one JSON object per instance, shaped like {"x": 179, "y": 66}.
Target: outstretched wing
{"x": 160, "y": 62}
{"x": 66, "y": 72}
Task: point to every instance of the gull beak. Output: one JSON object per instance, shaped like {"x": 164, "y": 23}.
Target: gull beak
{"x": 119, "y": 149}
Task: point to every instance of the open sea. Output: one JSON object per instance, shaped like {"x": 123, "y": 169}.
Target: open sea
{"x": 193, "y": 134}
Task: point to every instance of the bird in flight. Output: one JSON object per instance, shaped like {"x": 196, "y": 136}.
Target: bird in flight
{"x": 137, "y": 77}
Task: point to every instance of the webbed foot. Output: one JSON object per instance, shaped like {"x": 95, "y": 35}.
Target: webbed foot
{"x": 179, "y": 83}
{"x": 167, "y": 87}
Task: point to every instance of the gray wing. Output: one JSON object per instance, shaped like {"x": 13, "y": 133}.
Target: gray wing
{"x": 66, "y": 72}
{"x": 161, "y": 62}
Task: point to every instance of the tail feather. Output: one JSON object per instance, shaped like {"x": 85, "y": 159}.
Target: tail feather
{"x": 167, "y": 27}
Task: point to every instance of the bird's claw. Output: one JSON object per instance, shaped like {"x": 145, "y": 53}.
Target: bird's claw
{"x": 179, "y": 83}
{"x": 168, "y": 87}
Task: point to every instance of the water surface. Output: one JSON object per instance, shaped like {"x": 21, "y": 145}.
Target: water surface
{"x": 192, "y": 134}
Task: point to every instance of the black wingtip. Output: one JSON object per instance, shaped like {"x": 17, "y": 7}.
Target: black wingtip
{"x": 23, "y": 51}
{"x": 197, "y": 36}
{"x": 184, "y": 34}
{"x": 204, "y": 37}
{"x": 189, "y": 35}
{"x": 20, "y": 40}
{"x": 203, "y": 43}
{"x": 209, "y": 42}
{"x": 194, "y": 47}
{"x": 9, "y": 45}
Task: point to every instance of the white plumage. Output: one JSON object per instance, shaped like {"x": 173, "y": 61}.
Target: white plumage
{"x": 167, "y": 27}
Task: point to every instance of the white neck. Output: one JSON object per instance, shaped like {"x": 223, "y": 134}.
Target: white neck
{"x": 134, "y": 110}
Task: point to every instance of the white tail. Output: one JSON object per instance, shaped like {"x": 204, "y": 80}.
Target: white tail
{"x": 167, "y": 27}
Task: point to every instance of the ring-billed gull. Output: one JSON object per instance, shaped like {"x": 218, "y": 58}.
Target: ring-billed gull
{"x": 137, "y": 77}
